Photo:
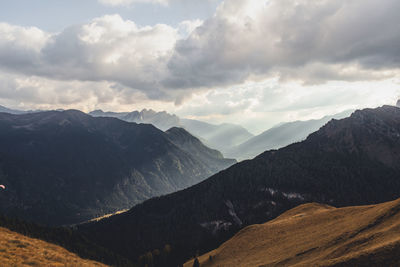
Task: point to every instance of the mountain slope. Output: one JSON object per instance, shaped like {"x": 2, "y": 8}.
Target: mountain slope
{"x": 19, "y": 250}
{"x": 221, "y": 137}
{"x": 68, "y": 167}
{"x": 352, "y": 161}
{"x": 67, "y": 238}
{"x": 193, "y": 146}
{"x": 280, "y": 136}
{"x": 316, "y": 235}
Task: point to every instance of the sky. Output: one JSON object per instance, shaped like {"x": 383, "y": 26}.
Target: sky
{"x": 252, "y": 62}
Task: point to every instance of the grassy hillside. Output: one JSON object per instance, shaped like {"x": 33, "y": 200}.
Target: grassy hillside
{"x": 64, "y": 237}
{"x": 316, "y": 235}
{"x": 19, "y": 250}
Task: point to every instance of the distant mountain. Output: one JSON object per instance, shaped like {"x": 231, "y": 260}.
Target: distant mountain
{"x": 280, "y": 136}
{"x": 316, "y": 235}
{"x": 161, "y": 120}
{"x": 221, "y": 137}
{"x": 68, "y": 167}
{"x": 398, "y": 103}
{"x": 11, "y": 111}
{"x": 352, "y": 161}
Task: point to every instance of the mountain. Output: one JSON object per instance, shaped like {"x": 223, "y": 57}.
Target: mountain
{"x": 398, "y": 103}
{"x": 353, "y": 161}
{"x": 316, "y": 235}
{"x": 193, "y": 146}
{"x": 221, "y": 137}
{"x": 280, "y": 136}
{"x": 161, "y": 120}
{"x": 68, "y": 167}
{"x": 19, "y": 250}
{"x": 11, "y": 111}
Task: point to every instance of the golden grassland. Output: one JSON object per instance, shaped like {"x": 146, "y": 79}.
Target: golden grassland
{"x": 19, "y": 250}
{"x": 107, "y": 216}
{"x": 316, "y": 235}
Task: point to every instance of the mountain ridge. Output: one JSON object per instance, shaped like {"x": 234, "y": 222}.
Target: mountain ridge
{"x": 219, "y": 137}
{"x": 90, "y": 166}
{"x": 352, "y": 161}
{"x": 280, "y": 136}
{"x": 316, "y": 235}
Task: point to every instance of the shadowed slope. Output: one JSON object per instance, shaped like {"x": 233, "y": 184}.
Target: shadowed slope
{"x": 316, "y": 235}
{"x": 68, "y": 167}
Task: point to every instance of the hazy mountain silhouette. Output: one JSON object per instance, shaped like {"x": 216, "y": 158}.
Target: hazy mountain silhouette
{"x": 280, "y": 136}
{"x": 221, "y": 137}
{"x": 11, "y": 111}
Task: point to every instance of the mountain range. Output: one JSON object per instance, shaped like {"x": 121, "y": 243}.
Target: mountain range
{"x": 353, "y": 161}
{"x": 65, "y": 167}
{"x": 280, "y": 136}
{"x": 221, "y": 137}
{"x": 232, "y": 140}
{"x": 12, "y": 111}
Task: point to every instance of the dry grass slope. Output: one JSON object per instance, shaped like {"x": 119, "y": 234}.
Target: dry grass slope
{"x": 316, "y": 235}
{"x": 19, "y": 250}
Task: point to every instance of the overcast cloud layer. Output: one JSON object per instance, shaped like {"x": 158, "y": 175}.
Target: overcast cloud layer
{"x": 303, "y": 44}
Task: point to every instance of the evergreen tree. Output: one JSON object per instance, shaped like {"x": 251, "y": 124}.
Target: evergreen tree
{"x": 196, "y": 263}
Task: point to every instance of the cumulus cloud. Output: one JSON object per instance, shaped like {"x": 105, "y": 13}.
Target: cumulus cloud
{"x": 108, "y": 48}
{"x": 310, "y": 42}
{"x": 288, "y": 38}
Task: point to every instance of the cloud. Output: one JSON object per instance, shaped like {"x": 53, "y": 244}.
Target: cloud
{"x": 129, "y": 2}
{"x": 106, "y": 49}
{"x": 261, "y": 105}
{"x": 289, "y": 39}
{"x": 306, "y": 41}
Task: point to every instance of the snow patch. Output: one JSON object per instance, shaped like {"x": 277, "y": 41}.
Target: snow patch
{"x": 293, "y": 196}
{"x": 216, "y": 226}
{"x": 232, "y": 212}
{"x": 288, "y": 195}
